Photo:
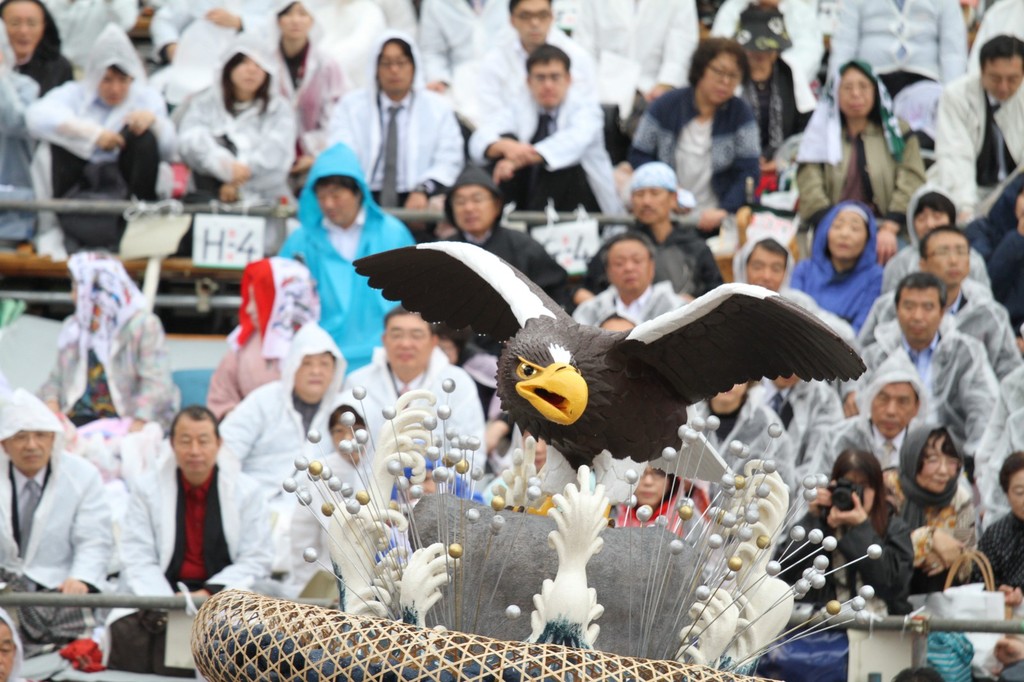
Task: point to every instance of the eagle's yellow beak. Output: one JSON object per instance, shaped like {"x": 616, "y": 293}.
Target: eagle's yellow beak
{"x": 558, "y": 391}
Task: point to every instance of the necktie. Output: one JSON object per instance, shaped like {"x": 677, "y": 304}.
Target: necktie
{"x": 888, "y": 447}
{"x": 544, "y": 125}
{"x": 27, "y": 511}
{"x": 389, "y": 188}
{"x": 783, "y": 409}
{"x": 1000, "y": 143}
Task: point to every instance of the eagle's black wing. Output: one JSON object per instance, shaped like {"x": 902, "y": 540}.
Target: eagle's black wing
{"x": 461, "y": 285}
{"x": 737, "y": 333}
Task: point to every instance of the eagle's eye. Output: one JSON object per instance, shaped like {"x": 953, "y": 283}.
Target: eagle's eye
{"x": 525, "y": 370}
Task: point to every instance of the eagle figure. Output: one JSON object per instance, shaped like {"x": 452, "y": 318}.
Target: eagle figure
{"x": 583, "y": 389}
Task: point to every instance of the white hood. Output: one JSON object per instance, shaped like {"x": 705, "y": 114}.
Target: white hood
{"x": 895, "y": 369}
{"x": 419, "y": 79}
{"x": 313, "y": 340}
{"x": 22, "y": 411}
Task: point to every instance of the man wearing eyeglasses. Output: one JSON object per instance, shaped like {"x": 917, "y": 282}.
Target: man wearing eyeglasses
{"x": 502, "y": 75}
{"x": 548, "y": 144}
{"x": 945, "y": 253}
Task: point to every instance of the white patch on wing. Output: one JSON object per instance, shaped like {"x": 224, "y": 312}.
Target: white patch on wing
{"x": 559, "y": 353}
{"x": 664, "y": 324}
{"x": 525, "y": 305}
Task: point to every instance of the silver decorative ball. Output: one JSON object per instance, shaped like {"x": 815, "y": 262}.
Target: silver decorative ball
{"x": 669, "y": 454}
{"x": 829, "y": 544}
{"x": 448, "y": 385}
{"x": 394, "y": 467}
{"x": 821, "y": 562}
{"x": 444, "y": 412}
{"x": 797, "y": 533}
{"x": 632, "y": 476}
{"x": 310, "y": 555}
{"x": 346, "y": 447}
{"x": 822, "y": 481}
{"x": 352, "y": 507}
{"x": 862, "y": 617}
{"x": 439, "y": 474}
{"x": 698, "y": 424}
{"x": 433, "y": 453}
{"x": 451, "y": 434}
{"x": 472, "y": 444}
{"x": 388, "y": 412}
{"x": 362, "y": 436}
{"x": 533, "y": 493}
{"x": 348, "y": 419}
{"x": 745, "y": 533}
{"x": 358, "y": 392}
{"x": 676, "y": 547}
{"x": 774, "y": 430}
{"x": 874, "y": 551}
{"x": 728, "y": 479}
{"x": 690, "y": 436}
{"x": 735, "y": 448}
{"x": 472, "y": 515}
{"x": 702, "y": 593}
{"x": 301, "y": 463}
{"x": 802, "y": 586}
{"x": 769, "y": 466}
{"x": 816, "y": 536}
{"x": 728, "y": 520}
{"x": 346, "y": 490}
{"x": 866, "y": 591}
{"x": 763, "y": 490}
{"x": 817, "y": 581}
{"x": 430, "y": 422}
{"x": 334, "y": 484}
{"x": 712, "y": 423}
{"x": 313, "y": 436}
{"x": 402, "y": 483}
{"x": 810, "y": 481}
{"x": 326, "y": 473}
{"x": 715, "y": 541}
{"x": 810, "y": 495}
{"x": 644, "y": 513}
{"x": 752, "y": 516}
{"x": 497, "y": 523}
{"x": 661, "y": 522}
{"x": 858, "y": 603}
{"x": 289, "y": 484}
{"x": 305, "y": 497}
{"x": 416, "y": 492}
{"x": 477, "y": 473}
{"x": 773, "y": 568}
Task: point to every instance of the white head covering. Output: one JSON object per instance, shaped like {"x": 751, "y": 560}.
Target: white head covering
{"x": 419, "y": 79}
{"x": 316, "y": 32}
{"x": 896, "y": 369}
{"x": 14, "y": 674}
{"x": 112, "y": 48}
{"x": 106, "y": 298}
{"x": 25, "y": 412}
{"x": 252, "y": 46}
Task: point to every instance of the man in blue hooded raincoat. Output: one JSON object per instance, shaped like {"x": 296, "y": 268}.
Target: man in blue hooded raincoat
{"x": 340, "y": 224}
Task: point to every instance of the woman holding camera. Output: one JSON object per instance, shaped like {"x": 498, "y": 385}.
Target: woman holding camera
{"x": 926, "y": 492}
{"x": 853, "y": 509}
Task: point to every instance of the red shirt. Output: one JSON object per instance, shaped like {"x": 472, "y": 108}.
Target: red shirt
{"x": 193, "y": 567}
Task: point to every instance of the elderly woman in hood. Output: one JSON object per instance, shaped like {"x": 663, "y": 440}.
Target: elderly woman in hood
{"x": 842, "y": 274}
{"x": 36, "y": 41}
{"x": 278, "y": 298}
{"x": 238, "y": 135}
{"x": 308, "y": 77}
{"x": 111, "y": 360}
{"x": 109, "y": 117}
{"x": 406, "y": 137}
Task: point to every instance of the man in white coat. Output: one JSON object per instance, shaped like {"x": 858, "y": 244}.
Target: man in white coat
{"x": 270, "y": 427}
{"x": 979, "y": 137}
{"x": 80, "y": 21}
{"x": 410, "y": 360}
{"x": 175, "y": 15}
{"x": 656, "y": 36}
{"x": 406, "y": 137}
{"x": 196, "y": 519}
{"x": 548, "y": 143}
{"x": 502, "y": 75}
{"x": 55, "y": 526}
{"x": 454, "y": 37}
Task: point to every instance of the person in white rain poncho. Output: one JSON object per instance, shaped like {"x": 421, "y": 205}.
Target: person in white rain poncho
{"x": 238, "y": 135}
{"x": 269, "y": 428}
{"x": 80, "y": 21}
{"x": 111, "y": 360}
{"x": 307, "y": 76}
{"x": 427, "y": 149}
{"x": 1003, "y": 436}
{"x": 55, "y": 526}
{"x": 111, "y": 117}
{"x": 892, "y": 400}
{"x": 351, "y": 28}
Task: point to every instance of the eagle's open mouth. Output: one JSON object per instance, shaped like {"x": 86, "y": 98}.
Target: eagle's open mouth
{"x": 553, "y": 399}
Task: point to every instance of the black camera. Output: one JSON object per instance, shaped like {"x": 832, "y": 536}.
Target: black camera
{"x": 842, "y": 494}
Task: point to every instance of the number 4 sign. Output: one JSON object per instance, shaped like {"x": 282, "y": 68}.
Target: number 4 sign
{"x": 226, "y": 241}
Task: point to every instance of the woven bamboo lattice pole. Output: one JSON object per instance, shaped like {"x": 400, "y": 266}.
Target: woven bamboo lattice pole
{"x": 242, "y": 636}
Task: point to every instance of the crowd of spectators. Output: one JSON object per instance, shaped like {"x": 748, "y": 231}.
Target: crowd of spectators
{"x": 915, "y": 227}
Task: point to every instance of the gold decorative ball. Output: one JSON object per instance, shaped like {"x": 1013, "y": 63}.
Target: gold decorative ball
{"x": 449, "y": 459}
{"x": 462, "y": 466}
{"x": 363, "y": 497}
{"x": 315, "y": 468}
{"x": 455, "y": 550}
{"x": 735, "y": 563}
{"x": 685, "y": 512}
{"x": 763, "y": 541}
{"x": 393, "y": 505}
{"x": 497, "y": 503}
{"x": 740, "y": 482}
{"x": 327, "y": 509}
{"x": 833, "y": 607}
